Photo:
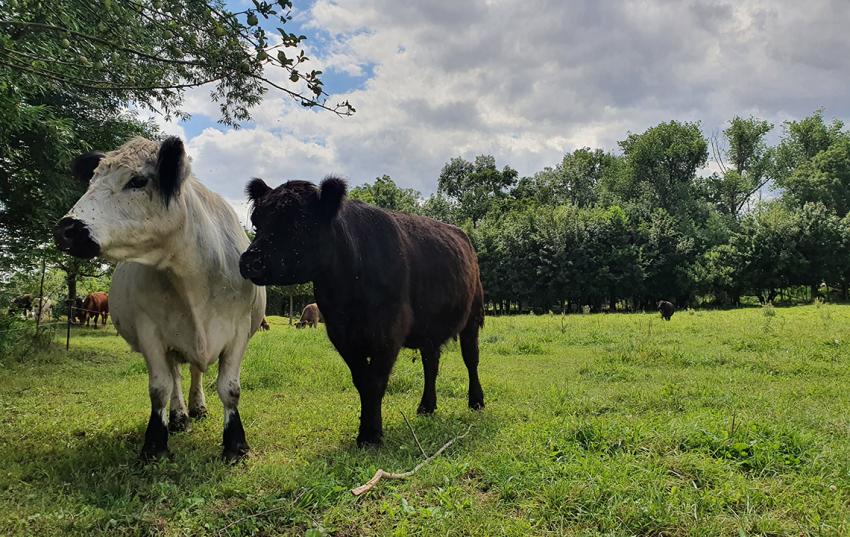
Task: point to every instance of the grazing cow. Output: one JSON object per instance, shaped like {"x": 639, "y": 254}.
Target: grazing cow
{"x": 22, "y": 305}
{"x": 666, "y": 309}
{"x": 176, "y": 293}
{"x": 382, "y": 279}
{"x": 78, "y": 313}
{"x": 96, "y": 306}
{"x": 310, "y": 316}
{"x": 264, "y": 325}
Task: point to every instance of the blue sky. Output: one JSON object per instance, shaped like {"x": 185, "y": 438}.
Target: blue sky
{"x": 525, "y": 82}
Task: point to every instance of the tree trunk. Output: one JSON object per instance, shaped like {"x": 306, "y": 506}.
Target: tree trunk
{"x": 71, "y": 280}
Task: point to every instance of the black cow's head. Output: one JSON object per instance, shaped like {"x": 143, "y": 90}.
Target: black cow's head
{"x": 288, "y": 222}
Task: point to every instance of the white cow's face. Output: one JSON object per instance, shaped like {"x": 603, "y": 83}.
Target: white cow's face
{"x": 132, "y": 206}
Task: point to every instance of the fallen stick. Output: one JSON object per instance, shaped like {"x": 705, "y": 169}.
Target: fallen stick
{"x": 383, "y": 474}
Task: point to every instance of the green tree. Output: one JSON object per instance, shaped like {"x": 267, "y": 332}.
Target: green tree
{"x": 474, "y": 186}
{"x": 574, "y": 180}
{"x": 824, "y": 178}
{"x": 662, "y": 164}
{"x": 385, "y": 193}
{"x": 147, "y": 53}
{"x": 767, "y": 244}
{"x": 745, "y": 165}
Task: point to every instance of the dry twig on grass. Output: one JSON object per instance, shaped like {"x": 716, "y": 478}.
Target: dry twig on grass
{"x": 383, "y": 474}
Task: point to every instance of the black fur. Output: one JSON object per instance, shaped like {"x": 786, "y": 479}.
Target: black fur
{"x": 169, "y": 168}
{"x": 156, "y": 439}
{"x": 82, "y": 168}
{"x": 330, "y": 196}
{"x": 382, "y": 280}
{"x": 235, "y": 445}
{"x": 666, "y": 309}
{"x": 256, "y": 189}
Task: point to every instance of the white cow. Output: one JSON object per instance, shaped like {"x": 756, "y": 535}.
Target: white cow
{"x": 176, "y": 294}
{"x": 42, "y": 310}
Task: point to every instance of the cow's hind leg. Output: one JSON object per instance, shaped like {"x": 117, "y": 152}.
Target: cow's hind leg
{"x": 469, "y": 350}
{"x": 430, "y": 366}
{"x": 178, "y": 417}
{"x": 370, "y": 378}
{"x": 160, "y": 384}
{"x": 235, "y": 445}
{"x": 197, "y": 399}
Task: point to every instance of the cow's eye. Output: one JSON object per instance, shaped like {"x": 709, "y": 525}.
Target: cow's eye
{"x": 136, "y": 182}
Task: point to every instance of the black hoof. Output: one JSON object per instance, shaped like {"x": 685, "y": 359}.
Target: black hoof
{"x": 426, "y": 410}
{"x": 370, "y": 442}
{"x": 477, "y": 405}
{"x": 198, "y": 413}
{"x": 154, "y": 454}
{"x": 236, "y": 455}
{"x": 178, "y": 422}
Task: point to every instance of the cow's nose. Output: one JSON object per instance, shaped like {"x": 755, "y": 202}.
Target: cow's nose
{"x": 73, "y": 236}
{"x": 251, "y": 266}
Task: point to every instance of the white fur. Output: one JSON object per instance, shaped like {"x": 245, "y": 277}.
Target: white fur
{"x": 177, "y": 295}
{"x": 42, "y": 309}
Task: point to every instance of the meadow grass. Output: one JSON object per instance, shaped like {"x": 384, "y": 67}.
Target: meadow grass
{"x": 716, "y": 423}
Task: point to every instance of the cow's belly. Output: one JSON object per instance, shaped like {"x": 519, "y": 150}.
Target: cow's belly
{"x": 144, "y": 304}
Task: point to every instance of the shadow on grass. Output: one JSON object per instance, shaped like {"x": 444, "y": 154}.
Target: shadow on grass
{"x": 101, "y": 472}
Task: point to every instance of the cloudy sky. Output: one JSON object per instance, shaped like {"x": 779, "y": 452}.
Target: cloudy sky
{"x": 523, "y": 81}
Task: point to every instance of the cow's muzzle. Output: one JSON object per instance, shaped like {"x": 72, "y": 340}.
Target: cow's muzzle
{"x": 253, "y": 267}
{"x": 73, "y": 236}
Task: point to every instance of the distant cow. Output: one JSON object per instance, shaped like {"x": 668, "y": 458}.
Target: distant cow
{"x": 666, "y": 309}
{"x": 42, "y": 310}
{"x": 22, "y": 305}
{"x": 78, "y": 314}
{"x": 96, "y": 306}
{"x": 382, "y": 279}
{"x": 176, "y": 294}
{"x": 264, "y": 325}
{"x": 310, "y": 316}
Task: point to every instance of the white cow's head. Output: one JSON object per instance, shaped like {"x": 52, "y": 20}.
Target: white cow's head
{"x": 133, "y": 204}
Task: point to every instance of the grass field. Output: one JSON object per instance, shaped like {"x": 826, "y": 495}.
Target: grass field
{"x": 716, "y": 423}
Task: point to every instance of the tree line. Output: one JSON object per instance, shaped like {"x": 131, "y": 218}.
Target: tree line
{"x": 620, "y": 231}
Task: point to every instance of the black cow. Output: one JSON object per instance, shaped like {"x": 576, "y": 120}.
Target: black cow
{"x": 666, "y": 309}
{"x": 22, "y": 305}
{"x": 78, "y": 311}
{"x": 383, "y": 280}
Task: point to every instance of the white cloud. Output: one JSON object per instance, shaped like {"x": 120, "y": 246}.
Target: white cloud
{"x": 527, "y": 82}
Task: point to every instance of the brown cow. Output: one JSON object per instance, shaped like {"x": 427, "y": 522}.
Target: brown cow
{"x": 311, "y": 316}
{"x": 264, "y": 325}
{"x": 383, "y": 280}
{"x": 96, "y": 306}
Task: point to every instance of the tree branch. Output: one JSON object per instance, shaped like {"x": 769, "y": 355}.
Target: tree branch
{"x": 51, "y": 28}
{"x": 303, "y": 99}
{"x": 90, "y": 84}
{"x": 382, "y": 474}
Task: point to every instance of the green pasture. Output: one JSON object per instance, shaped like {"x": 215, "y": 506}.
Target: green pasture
{"x": 716, "y": 423}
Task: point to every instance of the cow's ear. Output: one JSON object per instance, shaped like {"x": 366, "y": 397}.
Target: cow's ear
{"x": 331, "y": 194}
{"x": 256, "y": 189}
{"x": 83, "y": 166}
{"x": 171, "y": 168}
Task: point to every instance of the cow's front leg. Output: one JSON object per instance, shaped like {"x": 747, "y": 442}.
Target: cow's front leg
{"x": 160, "y": 384}
{"x": 370, "y": 378}
{"x": 235, "y": 445}
{"x": 197, "y": 399}
{"x": 178, "y": 417}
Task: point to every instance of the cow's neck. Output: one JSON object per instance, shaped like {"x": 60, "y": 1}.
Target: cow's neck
{"x": 201, "y": 266}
